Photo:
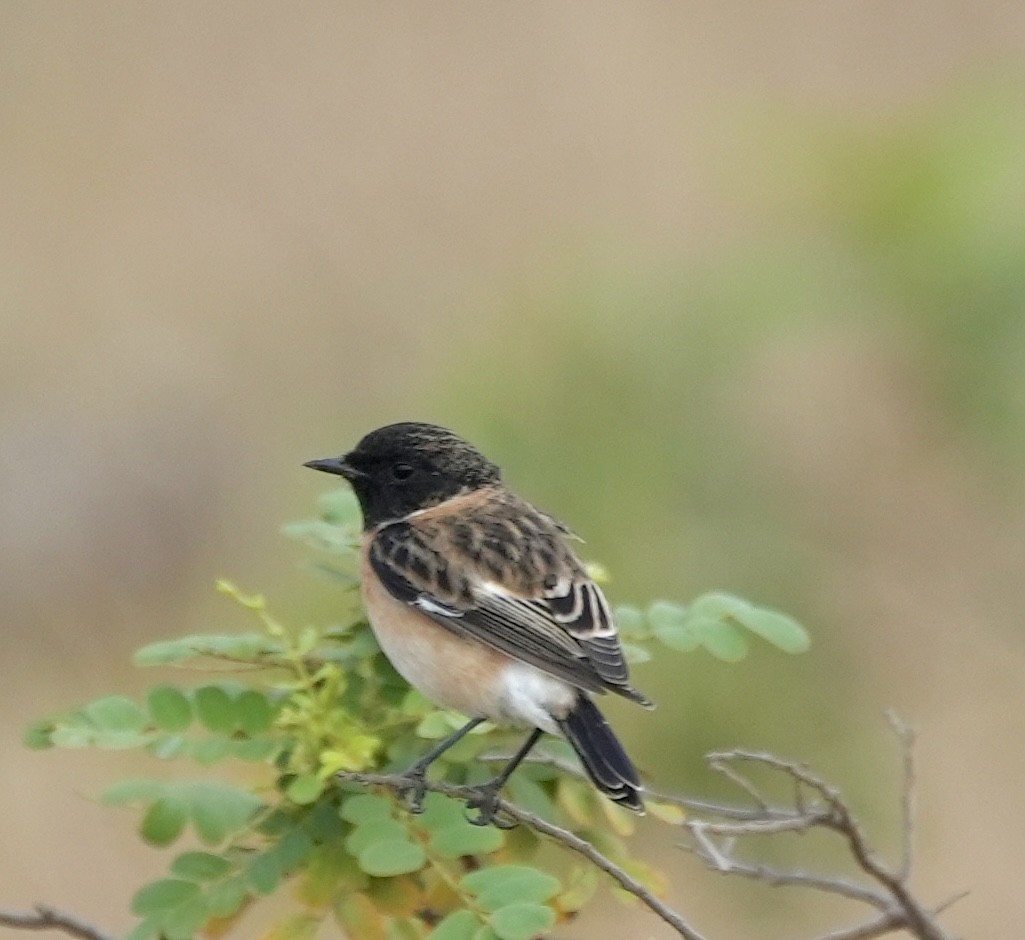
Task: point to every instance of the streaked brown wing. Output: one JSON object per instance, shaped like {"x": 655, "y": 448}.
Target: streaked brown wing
{"x": 508, "y": 581}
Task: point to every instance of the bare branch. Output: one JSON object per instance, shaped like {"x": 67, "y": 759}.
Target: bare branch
{"x": 779, "y": 878}
{"x": 716, "y": 827}
{"x": 906, "y": 736}
{"x": 711, "y": 808}
{"x": 740, "y": 781}
{"x": 895, "y": 919}
{"x": 399, "y": 783}
{"x": 877, "y": 927}
{"x": 900, "y": 910}
{"x": 43, "y": 917}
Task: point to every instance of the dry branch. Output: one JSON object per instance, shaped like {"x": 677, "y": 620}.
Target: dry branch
{"x": 44, "y": 917}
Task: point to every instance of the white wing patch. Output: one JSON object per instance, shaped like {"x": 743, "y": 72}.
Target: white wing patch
{"x": 429, "y": 605}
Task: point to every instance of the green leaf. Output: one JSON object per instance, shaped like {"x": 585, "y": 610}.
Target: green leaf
{"x": 254, "y": 749}
{"x": 667, "y": 812}
{"x": 207, "y": 751}
{"x": 169, "y": 708}
{"x": 530, "y": 795}
{"x": 215, "y": 708}
{"x": 255, "y": 713}
{"x": 293, "y": 849}
{"x": 146, "y": 929}
{"x": 339, "y": 507}
{"x": 500, "y": 885}
{"x": 72, "y": 736}
{"x": 164, "y": 820}
{"x": 132, "y": 791}
{"x": 718, "y": 606}
{"x": 200, "y": 866}
{"x": 328, "y": 871}
{"x": 226, "y": 897}
{"x": 722, "y": 639}
{"x": 579, "y": 800}
{"x": 163, "y": 895}
{"x": 218, "y": 809}
{"x": 630, "y": 622}
{"x": 116, "y": 713}
{"x": 669, "y": 623}
{"x": 581, "y": 886}
{"x": 459, "y": 925}
{"x": 363, "y": 807}
{"x": 165, "y": 652}
{"x": 440, "y": 812}
{"x": 248, "y": 647}
{"x": 37, "y": 736}
{"x": 185, "y": 919}
{"x": 121, "y": 740}
{"x": 635, "y": 653}
{"x": 264, "y": 872}
{"x": 305, "y": 789}
{"x": 323, "y": 823}
{"x": 778, "y": 629}
{"x": 462, "y": 838}
{"x": 437, "y": 725}
{"x": 376, "y": 830}
{"x": 392, "y": 857}
{"x": 168, "y": 746}
{"x": 522, "y": 921}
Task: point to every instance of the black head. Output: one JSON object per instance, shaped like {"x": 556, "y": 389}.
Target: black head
{"x": 400, "y": 468}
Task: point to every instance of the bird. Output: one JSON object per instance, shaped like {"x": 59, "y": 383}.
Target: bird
{"x": 479, "y": 602}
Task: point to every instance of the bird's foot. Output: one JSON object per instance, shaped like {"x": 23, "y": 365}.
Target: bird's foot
{"x": 487, "y": 802}
{"x": 415, "y": 790}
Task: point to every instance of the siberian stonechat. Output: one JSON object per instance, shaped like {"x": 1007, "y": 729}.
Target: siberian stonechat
{"x": 480, "y": 603}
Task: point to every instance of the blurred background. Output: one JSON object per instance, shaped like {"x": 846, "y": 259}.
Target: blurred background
{"x": 736, "y": 289}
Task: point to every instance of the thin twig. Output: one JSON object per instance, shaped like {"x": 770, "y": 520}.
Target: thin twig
{"x": 695, "y": 804}
{"x": 44, "y": 917}
{"x": 740, "y": 781}
{"x": 900, "y": 909}
{"x": 779, "y": 878}
{"x": 762, "y": 827}
{"x": 877, "y": 927}
{"x": 894, "y": 919}
{"x": 906, "y": 735}
{"x": 398, "y": 783}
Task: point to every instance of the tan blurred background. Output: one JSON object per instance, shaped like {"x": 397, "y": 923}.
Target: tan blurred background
{"x": 737, "y": 289}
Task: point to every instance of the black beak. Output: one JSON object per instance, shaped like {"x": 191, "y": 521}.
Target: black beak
{"x": 336, "y": 465}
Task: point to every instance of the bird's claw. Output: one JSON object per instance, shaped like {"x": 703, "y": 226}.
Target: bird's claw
{"x": 486, "y": 802}
{"x": 415, "y": 791}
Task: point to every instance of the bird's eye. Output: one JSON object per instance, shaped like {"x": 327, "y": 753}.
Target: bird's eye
{"x": 402, "y": 471}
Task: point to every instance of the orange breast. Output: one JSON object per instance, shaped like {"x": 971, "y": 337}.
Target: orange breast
{"x": 450, "y": 670}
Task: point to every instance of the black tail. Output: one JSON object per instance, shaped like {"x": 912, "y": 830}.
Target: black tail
{"x": 603, "y": 756}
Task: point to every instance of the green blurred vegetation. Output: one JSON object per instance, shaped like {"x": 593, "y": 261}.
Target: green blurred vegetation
{"x": 615, "y": 389}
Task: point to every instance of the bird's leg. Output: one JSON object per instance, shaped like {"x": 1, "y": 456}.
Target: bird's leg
{"x": 416, "y": 774}
{"x": 487, "y": 799}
